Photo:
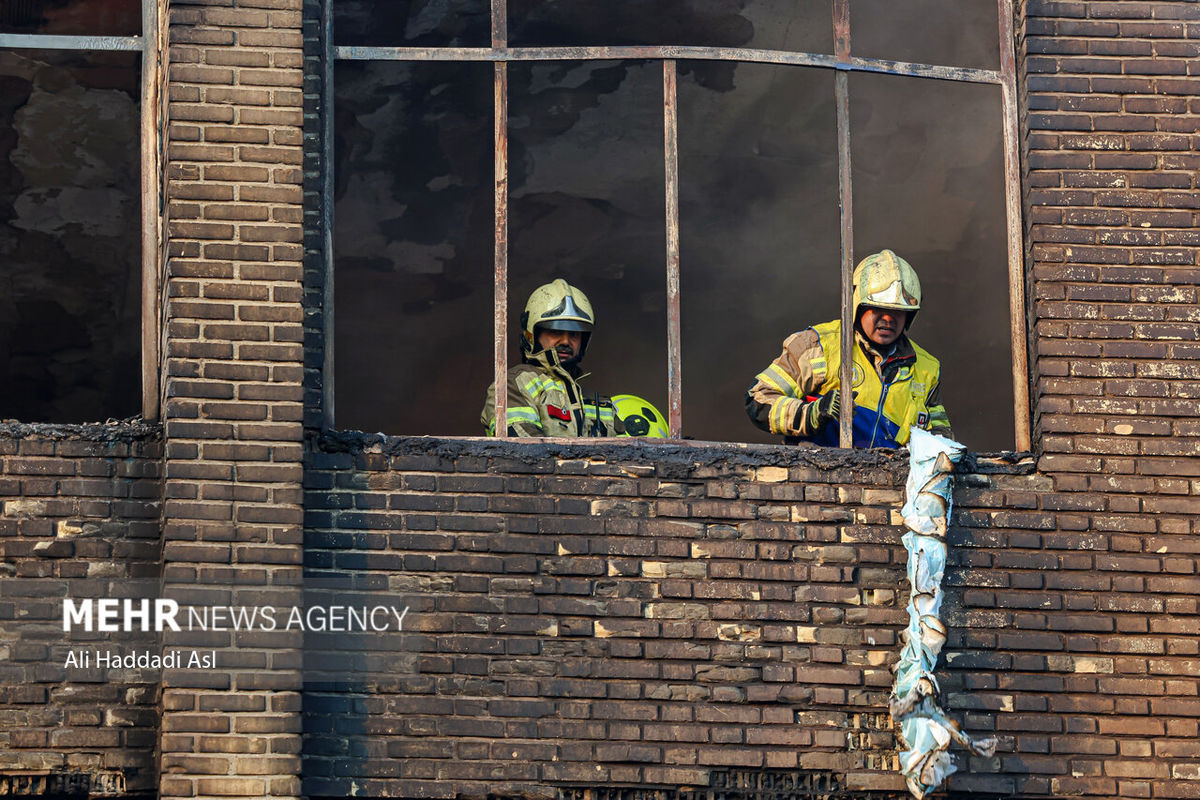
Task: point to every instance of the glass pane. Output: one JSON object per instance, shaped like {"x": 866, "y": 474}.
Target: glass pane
{"x": 805, "y": 27}
{"x": 70, "y": 249}
{"x": 759, "y": 230}
{"x": 952, "y": 33}
{"x": 412, "y": 23}
{"x": 72, "y": 17}
{"x": 929, "y": 183}
{"x": 413, "y": 246}
{"x": 588, "y": 204}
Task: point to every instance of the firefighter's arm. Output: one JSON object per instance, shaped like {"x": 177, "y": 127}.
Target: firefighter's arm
{"x": 939, "y": 422}
{"x": 523, "y": 419}
{"x": 778, "y": 401}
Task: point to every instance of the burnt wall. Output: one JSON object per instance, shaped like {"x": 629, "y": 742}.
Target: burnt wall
{"x": 79, "y": 519}
{"x": 586, "y": 615}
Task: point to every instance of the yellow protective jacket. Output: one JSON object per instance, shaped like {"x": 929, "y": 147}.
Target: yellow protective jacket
{"x": 892, "y": 391}
{"x": 544, "y": 399}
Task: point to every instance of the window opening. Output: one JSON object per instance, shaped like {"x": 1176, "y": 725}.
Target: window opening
{"x": 413, "y": 202}
{"x": 928, "y": 170}
{"x": 758, "y": 176}
{"x": 412, "y": 23}
{"x": 79, "y": 209}
{"x": 557, "y": 33}
{"x": 72, "y": 17}
{"x": 885, "y": 29}
{"x": 758, "y": 24}
{"x": 586, "y": 200}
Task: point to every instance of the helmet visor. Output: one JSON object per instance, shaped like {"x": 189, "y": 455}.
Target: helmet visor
{"x": 564, "y": 325}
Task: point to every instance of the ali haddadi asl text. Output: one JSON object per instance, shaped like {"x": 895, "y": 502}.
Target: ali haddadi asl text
{"x": 140, "y": 659}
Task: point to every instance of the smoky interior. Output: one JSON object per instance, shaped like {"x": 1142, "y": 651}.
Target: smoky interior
{"x": 758, "y": 229}
{"x": 928, "y": 175}
{"x": 412, "y": 23}
{"x": 804, "y": 26}
{"x": 72, "y": 17}
{"x": 70, "y": 247}
{"x": 588, "y": 201}
{"x": 758, "y": 209}
{"x": 413, "y": 250}
{"x": 952, "y": 33}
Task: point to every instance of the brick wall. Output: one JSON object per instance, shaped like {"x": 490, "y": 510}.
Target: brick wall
{"x": 590, "y": 615}
{"x": 79, "y": 511}
{"x": 233, "y": 402}
{"x": 1111, "y": 94}
{"x": 1112, "y": 103}
{"x": 606, "y": 615}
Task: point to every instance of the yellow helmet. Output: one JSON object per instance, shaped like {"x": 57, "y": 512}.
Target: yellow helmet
{"x": 640, "y": 417}
{"x": 885, "y": 280}
{"x": 556, "y": 306}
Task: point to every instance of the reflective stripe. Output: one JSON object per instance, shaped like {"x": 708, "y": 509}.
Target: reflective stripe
{"x": 522, "y": 414}
{"x": 782, "y": 414}
{"x": 763, "y": 377}
{"x": 539, "y": 384}
{"x": 783, "y": 380}
{"x": 516, "y": 414}
{"x": 818, "y": 366}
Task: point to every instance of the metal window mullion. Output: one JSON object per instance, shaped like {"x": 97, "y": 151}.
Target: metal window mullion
{"x": 841, "y": 91}
{"x": 671, "y": 170}
{"x": 1012, "y": 204}
{"x": 327, "y": 165}
{"x": 151, "y": 197}
{"x": 846, "y": 213}
{"x": 501, "y": 247}
{"x": 665, "y": 52}
{"x": 44, "y": 41}
{"x": 499, "y": 12}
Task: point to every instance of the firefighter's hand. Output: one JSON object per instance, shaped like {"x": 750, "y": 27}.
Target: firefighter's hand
{"x": 824, "y": 409}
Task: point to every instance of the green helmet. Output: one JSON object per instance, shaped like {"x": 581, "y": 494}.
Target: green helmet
{"x": 640, "y": 417}
{"x": 885, "y": 280}
{"x": 556, "y": 306}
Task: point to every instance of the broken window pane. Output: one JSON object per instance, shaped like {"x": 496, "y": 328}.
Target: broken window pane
{"x": 928, "y": 175}
{"x": 70, "y": 252}
{"x": 918, "y": 31}
{"x": 759, "y": 230}
{"x": 588, "y": 204}
{"x": 805, "y": 26}
{"x": 412, "y": 23}
{"x": 413, "y": 246}
{"x": 72, "y": 17}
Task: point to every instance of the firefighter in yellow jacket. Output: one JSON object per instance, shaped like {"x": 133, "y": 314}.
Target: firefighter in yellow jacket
{"x": 896, "y": 382}
{"x": 544, "y": 397}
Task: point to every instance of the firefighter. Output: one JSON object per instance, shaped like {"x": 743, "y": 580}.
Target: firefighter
{"x": 544, "y": 396}
{"x": 896, "y": 382}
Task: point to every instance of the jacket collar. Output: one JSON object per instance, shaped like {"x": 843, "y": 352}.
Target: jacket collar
{"x": 548, "y": 360}
{"x": 900, "y": 353}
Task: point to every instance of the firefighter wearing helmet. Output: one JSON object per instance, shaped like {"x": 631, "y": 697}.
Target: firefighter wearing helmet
{"x": 544, "y": 396}
{"x": 896, "y": 382}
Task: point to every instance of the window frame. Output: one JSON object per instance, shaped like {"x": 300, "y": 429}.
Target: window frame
{"x": 842, "y": 62}
{"x": 152, "y": 191}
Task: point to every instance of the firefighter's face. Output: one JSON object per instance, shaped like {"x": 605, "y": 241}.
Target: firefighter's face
{"x": 883, "y": 325}
{"x": 567, "y": 343}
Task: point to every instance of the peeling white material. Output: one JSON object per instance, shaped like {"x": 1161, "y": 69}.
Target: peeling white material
{"x": 925, "y": 730}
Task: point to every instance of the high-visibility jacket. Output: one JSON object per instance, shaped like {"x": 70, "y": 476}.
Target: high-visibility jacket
{"x": 544, "y": 399}
{"x": 891, "y": 392}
